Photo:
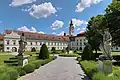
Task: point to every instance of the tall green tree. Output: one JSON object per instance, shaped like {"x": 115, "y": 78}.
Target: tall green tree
{"x": 112, "y": 17}
{"x": 93, "y": 35}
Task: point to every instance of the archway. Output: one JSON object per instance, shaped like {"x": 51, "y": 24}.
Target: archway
{"x": 14, "y": 49}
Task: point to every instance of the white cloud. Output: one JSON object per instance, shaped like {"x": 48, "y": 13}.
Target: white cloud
{"x": 82, "y": 31}
{"x": 86, "y": 3}
{"x": 78, "y": 22}
{"x": 42, "y": 10}
{"x": 32, "y": 29}
{"x": 16, "y": 3}
{"x": 54, "y": 33}
{"x": 83, "y": 28}
{"x": 57, "y": 25}
{"x": 59, "y": 34}
{"x": 59, "y": 8}
{"x": 41, "y": 32}
{"x": 78, "y": 29}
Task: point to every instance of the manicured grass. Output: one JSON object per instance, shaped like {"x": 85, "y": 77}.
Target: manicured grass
{"x": 115, "y": 53}
{"x": 30, "y": 53}
{"x": 4, "y": 57}
{"x": 91, "y": 69}
{"x": 69, "y": 55}
{"x": 5, "y": 53}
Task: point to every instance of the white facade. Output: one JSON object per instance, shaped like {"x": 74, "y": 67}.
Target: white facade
{"x": 115, "y": 48}
{"x": 11, "y": 43}
{"x": 78, "y": 43}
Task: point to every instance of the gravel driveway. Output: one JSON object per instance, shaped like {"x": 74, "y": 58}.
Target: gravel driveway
{"x": 63, "y": 68}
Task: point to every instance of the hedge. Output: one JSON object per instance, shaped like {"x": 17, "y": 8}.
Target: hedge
{"x": 12, "y": 73}
{"x": 29, "y": 68}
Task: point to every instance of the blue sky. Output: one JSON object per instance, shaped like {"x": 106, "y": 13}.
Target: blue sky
{"x": 48, "y": 16}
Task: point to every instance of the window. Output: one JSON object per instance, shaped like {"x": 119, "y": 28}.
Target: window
{"x": 80, "y": 43}
{"x": 8, "y": 42}
{"x": 14, "y": 42}
{"x": 77, "y": 43}
{"x": 40, "y": 43}
{"x": 7, "y": 48}
{"x": 48, "y": 43}
{"x": 31, "y": 43}
{"x": 36, "y": 43}
{"x": 116, "y": 48}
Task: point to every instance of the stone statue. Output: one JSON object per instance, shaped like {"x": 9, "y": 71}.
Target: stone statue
{"x": 106, "y": 43}
{"x": 22, "y": 45}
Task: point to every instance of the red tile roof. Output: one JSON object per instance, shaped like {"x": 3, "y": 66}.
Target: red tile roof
{"x": 81, "y": 34}
{"x": 1, "y": 37}
{"x": 38, "y": 36}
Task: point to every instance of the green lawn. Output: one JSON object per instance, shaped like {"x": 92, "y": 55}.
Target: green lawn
{"x": 4, "y": 57}
{"x": 113, "y": 53}
{"x": 29, "y": 52}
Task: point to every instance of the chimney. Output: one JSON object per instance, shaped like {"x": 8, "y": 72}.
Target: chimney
{"x": 64, "y": 34}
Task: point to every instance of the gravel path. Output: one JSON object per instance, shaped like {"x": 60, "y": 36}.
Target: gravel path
{"x": 63, "y": 68}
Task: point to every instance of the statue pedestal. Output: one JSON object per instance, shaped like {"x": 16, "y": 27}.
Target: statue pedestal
{"x": 22, "y": 60}
{"x": 105, "y": 66}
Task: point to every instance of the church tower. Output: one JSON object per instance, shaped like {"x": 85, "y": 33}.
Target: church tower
{"x": 71, "y": 29}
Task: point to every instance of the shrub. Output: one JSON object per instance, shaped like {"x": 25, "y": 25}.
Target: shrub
{"x": 13, "y": 73}
{"x": 33, "y": 50}
{"x": 36, "y": 63}
{"x": 21, "y": 71}
{"x": 87, "y": 53}
{"x": 29, "y": 68}
{"x": 3, "y": 69}
{"x": 100, "y": 76}
{"x": 4, "y": 76}
{"x": 44, "y": 53}
{"x": 75, "y": 51}
{"x": 63, "y": 51}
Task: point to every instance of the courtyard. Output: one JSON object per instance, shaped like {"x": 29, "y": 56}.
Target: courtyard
{"x": 41, "y": 40}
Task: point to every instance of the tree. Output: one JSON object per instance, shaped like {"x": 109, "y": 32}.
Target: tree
{"x": 87, "y": 53}
{"x": 44, "y": 53}
{"x": 92, "y": 33}
{"x": 112, "y": 17}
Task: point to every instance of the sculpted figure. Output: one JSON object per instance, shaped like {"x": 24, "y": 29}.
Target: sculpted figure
{"x": 106, "y": 44}
{"x": 22, "y": 45}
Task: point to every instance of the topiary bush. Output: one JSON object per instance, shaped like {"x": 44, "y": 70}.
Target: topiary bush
{"x": 13, "y": 73}
{"x": 29, "y": 68}
{"x": 87, "y": 53}
{"x": 44, "y": 53}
